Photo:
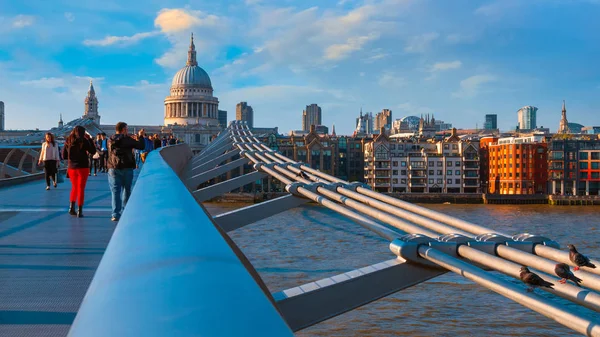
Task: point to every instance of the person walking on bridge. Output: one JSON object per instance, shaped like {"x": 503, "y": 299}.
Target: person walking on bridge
{"x": 121, "y": 163}
{"x": 77, "y": 150}
{"x": 50, "y": 157}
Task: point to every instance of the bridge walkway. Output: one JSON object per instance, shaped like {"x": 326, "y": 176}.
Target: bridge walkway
{"x": 48, "y": 257}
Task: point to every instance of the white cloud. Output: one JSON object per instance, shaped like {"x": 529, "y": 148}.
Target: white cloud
{"x": 441, "y": 66}
{"x": 341, "y": 51}
{"x": 420, "y": 43}
{"x": 498, "y": 7}
{"x": 69, "y": 16}
{"x": 119, "y": 40}
{"x": 460, "y": 38}
{"x": 471, "y": 87}
{"x": 145, "y": 85}
{"x": 172, "y": 20}
{"x": 22, "y": 21}
{"x": 391, "y": 79}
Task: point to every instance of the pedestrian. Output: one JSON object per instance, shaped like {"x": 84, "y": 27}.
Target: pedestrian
{"x": 50, "y": 157}
{"x": 121, "y": 162}
{"x": 148, "y": 147}
{"x": 157, "y": 142}
{"x": 77, "y": 150}
{"x": 172, "y": 140}
{"x": 104, "y": 152}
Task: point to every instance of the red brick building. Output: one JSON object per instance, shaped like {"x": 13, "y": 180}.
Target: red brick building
{"x": 518, "y": 165}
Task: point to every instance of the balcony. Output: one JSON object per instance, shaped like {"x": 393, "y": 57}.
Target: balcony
{"x": 471, "y": 166}
{"x": 471, "y": 158}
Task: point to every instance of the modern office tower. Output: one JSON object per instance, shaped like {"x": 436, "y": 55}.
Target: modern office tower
{"x": 491, "y": 122}
{"x": 2, "y": 127}
{"x": 311, "y": 116}
{"x": 244, "y": 112}
{"x": 91, "y": 105}
{"x": 222, "y": 116}
{"x": 527, "y": 117}
{"x": 383, "y": 119}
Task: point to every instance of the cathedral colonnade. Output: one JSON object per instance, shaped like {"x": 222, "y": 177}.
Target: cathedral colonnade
{"x": 184, "y": 109}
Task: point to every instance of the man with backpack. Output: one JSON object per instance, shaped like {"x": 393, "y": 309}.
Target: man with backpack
{"x": 121, "y": 163}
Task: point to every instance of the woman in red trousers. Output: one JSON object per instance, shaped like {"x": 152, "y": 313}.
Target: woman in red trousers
{"x": 77, "y": 150}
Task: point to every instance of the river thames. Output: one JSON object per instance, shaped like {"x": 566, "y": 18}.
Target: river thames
{"x": 311, "y": 242}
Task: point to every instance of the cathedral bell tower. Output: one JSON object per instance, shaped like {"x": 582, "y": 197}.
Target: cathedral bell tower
{"x": 91, "y": 105}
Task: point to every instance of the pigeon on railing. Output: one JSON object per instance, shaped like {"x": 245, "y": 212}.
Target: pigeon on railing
{"x": 579, "y": 259}
{"x": 564, "y": 271}
{"x": 534, "y": 280}
{"x": 303, "y": 175}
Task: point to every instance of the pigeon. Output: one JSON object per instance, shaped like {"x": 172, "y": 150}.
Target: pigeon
{"x": 532, "y": 279}
{"x": 564, "y": 271}
{"x": 579, "y": 259}
{"x": 303, "y": 175}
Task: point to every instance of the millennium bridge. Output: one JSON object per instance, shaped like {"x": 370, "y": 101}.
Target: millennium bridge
{"x": 171, "y": 269}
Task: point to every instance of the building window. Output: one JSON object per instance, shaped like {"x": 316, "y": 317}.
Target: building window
{"x": 457, "y": 172}
{"x": 583, "y": 165}
{"x": 395, "y": 172}
{"x": 449, "y": 172}
{"x": 394, "y": 180}
{"x": 440, "y": 181}
{"x": 431, "y": 163}
{"x": 446, "y": 147}
{"x": 595, "y": 155}
{"x": 595, "y": 165}
{"x": 449, "y": 181}
{"x": 448, "y": 163}
{"x": 403, "y": 172}
{"x": 440, "y": 172}
{"x": 583, "y": 155}
{"x": 430, "y": 172}
{"x": 439, "y": 164}
{"x": 403, "y": 164}
{"x": 595, "y": 175}
{"x": 402, "y": 181}
{"x": 395, "y": 163}
{"x": 457, "y": 181}
{"x": 431, "y": 181}
{"x": 457, "y": 164}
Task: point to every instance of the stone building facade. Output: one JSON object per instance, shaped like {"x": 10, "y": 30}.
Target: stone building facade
{"x": 421, "y": 165}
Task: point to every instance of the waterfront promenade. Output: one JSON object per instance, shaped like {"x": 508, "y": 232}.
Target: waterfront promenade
{"x": 48, "y": 257}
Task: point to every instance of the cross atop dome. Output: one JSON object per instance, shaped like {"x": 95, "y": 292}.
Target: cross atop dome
{"x": 191, "y": 61}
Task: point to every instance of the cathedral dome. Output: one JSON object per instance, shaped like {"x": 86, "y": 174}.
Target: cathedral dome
{"x": 192, "y": 75}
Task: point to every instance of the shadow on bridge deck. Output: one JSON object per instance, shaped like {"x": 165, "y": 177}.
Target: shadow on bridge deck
{"x": 47, "y": 257}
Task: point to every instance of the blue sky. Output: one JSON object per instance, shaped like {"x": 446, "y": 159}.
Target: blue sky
{"x": 458, "y": 59}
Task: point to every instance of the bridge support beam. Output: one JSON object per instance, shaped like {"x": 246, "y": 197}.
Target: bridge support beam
{"x": 217, "y": 171}
{"x": 212, "y": 191}
{"x": 216, "y": 151}
{"x": 213, "y": 162}
{"x": 315, "y": 302}
{"x": 244, "y": 216}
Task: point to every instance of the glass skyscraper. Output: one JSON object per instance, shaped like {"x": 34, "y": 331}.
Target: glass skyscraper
{"x": 491, "y": 122}
{"x": 527, "y": 118}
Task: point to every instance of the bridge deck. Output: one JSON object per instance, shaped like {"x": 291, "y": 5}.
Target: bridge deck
{"x": 47, "y": 257}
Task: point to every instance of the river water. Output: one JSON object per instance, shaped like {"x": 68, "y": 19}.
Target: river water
{"x": 311, "y": 242}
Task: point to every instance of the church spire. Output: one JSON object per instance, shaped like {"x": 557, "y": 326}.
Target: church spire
{"x": 91, "y": 91}
{"x": 191, "y": 61}
{"x": 333, "y": 130}
{"x": 564, "y": 123}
